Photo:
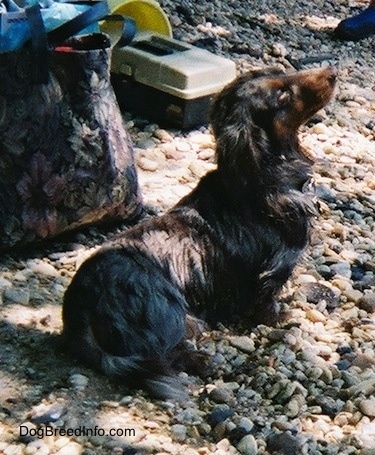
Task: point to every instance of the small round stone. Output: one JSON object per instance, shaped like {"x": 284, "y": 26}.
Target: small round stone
{"x": 248, "y": 445}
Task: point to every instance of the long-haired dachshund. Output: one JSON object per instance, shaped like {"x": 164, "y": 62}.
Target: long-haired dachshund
{"x": 222, "y": 253}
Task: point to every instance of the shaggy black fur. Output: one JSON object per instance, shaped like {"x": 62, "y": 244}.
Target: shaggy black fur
{"x": 222, "y": 253}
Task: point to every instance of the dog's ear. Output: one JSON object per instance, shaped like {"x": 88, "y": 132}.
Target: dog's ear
{"x": 267, "y": 89}
{"x": 283, "y": 97}
{"x": 238, "y": 138}
{"x": 232, "y": 106}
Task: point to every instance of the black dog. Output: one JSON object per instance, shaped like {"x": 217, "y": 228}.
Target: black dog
{"x": 222, "y": 253}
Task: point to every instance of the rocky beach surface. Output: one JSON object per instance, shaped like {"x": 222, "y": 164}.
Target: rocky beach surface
{"x": 304, "y": 387}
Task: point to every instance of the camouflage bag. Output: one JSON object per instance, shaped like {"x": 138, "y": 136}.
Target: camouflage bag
{"x": 65, "y": 158}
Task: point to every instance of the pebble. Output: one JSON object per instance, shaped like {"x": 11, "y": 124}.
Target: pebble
{"x": 245, "y": 424}
{"x": 145, "y": 143}
{"x": 343, "y": 269}
{"x": 243, "y": 343}
{"x": 367, "y": 302}
{"x": 204, "y": 140}
{"x": 183, "y": 146}
{"x": 189, "y": 416}
{"x": 37, "y": 447}
{"x": 219, "y": 431}
{"x": 365, "y": 387}
{"x": 179, "y": 432}
{"x": 198, "y": 168}
{"x": 222, "y": 394}
{"x": 19, "y": 296}
{"x": 364, "y": 361}
{"x": 72, "y": 448}
{"x": 42, "y": 268}
{"x": 248, "y": 445}
{"x": 316, "y": 292}
{"x": 367, "y": 407}
{"x": 224, "y": 447}
{"x": 329, "y": 406}
{"x": 278, "y": 50}
{"x": 219, "y": 413}
{"x": 13, "y": 450}
{"x": 163, "y": 135}
{"x": 43, "y": 414}
{"x": 22, "y": 275}
{"x": 5, "y": 284}
{"x": 174, "y": 155}
{"x": 147, "y": 164}
{"x": 320, "y": 128}
{"x": 315, "y": 316}
{"x": 284, "y": 444}
{"x": 206, "y": 154}
{"x": 341, "y": 284}
{"x": 304, "y": 278}
{"x": 295, "y": 406}
{"x": 79, "y": 381}
{"x": 368, "y": 437}
{"x": 353, "y": 295}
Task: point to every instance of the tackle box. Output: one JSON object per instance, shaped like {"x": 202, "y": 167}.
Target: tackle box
{"x": 167, "y": 81}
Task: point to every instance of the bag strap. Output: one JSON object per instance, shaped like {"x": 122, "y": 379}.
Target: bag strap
{"x": 124, "y": 31}
{"x": 39, "y": 45}
{"x": 97, "y": 11}
{"x": 40, "y": 39}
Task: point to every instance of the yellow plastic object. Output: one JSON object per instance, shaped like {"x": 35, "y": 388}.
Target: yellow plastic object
{"x": 147, "y": 14}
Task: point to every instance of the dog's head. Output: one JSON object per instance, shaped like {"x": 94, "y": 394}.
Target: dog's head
{"x": 256, "y": 117}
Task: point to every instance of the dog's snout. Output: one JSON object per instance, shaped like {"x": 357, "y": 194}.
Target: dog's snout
{"x": 332, "y": 76}
{"x": 327, "y": 73}
{"x": 330, "y": 73}
{"x": 316, "y": 78}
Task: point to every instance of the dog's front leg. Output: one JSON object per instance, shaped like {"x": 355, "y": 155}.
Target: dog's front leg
{"x": 270, "y": 283}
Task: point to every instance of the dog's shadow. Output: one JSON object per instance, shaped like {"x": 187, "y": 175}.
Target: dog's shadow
{"x": 36, "y": 389}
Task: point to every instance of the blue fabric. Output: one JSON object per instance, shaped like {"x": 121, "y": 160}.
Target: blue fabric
{"x": 357, "y": 27}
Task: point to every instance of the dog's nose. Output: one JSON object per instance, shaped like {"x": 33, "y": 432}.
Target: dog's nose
{"x": 332, "y": 77}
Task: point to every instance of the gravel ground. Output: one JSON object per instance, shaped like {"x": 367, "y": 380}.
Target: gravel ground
{"x": 304, "y": 387}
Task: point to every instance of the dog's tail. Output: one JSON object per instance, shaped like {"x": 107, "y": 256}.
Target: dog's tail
{"x": 155, "y": 375}
{"x": 150, "y": 375}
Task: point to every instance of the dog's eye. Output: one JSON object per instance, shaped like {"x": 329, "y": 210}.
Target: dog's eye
{"x": 283, "y": 97}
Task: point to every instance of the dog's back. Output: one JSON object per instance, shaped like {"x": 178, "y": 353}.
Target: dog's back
{"x": 223, "y": 252}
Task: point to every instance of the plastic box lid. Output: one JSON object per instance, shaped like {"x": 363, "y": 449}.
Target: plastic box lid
{"x": 171, "y": 66}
